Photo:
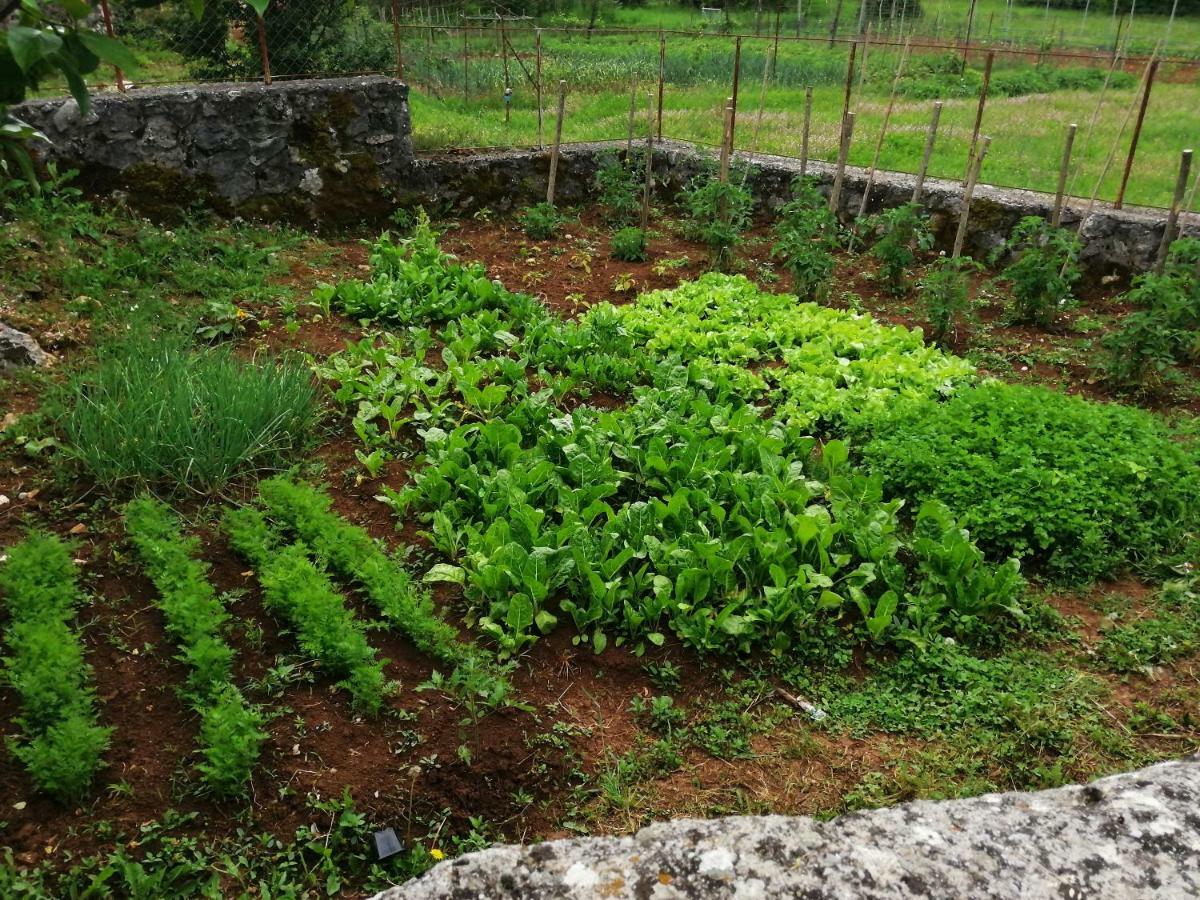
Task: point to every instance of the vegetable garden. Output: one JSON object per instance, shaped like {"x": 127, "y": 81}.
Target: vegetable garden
{"x": 506, "y": 528}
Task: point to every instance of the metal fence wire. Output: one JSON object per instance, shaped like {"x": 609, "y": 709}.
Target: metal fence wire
{"x": 491, "y": 80}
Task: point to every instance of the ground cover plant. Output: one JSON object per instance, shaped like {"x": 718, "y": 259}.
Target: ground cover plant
{"x": 61, "y": 741}
{"x": 568, "y": 558}
{"x": 1083, "y": 488}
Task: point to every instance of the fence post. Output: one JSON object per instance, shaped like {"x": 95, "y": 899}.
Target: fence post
{"x": 968, "y": 193}
{"x": 808, "y": 92}
{"x": 726, "y": 142}
{"x": 538, "y": 87}
{"x": 396, "y": 39}
{"x": 262, "y": 49}
{"x": 733, "y": 101}
{"x": 1185, "y": 168}
{"x": 632, "y": 110}
{"x": 662, "y": 71}
{"x": 983, "y": 92}
{"x": 1064, "y": 168}
{"x": 835, "y": 195}
{"x": 928, "y": 154}
{"x": 883, "y": 127}
{"x": 967, "y": 42}
{"x": 562, "y": 107}
{"x": 649, "y": 164}
{"x": 1137, "y": 133}
{"x": 108, "y": 29}
{"x": 849, "y": 79}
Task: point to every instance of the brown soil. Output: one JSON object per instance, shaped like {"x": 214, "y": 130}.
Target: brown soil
{"x": 403, "y": 768}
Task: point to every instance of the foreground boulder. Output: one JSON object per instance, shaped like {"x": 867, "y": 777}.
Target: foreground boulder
{"x": 19, "y": 349}
{"x": 1130, "y": 835}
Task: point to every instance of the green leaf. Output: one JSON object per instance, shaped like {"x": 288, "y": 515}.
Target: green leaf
{"x": 445, "y": 572}
{"x": 599, "y": 641}
{"x": 77, "y": 9}
{"x": 545, "y": 621}
{"x": 109, "y": 50}
{"x": 31, "y": 45}
{"x": 259, "y": 6}
{"x": 520, "y": 614}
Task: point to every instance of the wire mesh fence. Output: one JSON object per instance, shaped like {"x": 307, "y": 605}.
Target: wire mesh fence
{"x": 492, "y": 80}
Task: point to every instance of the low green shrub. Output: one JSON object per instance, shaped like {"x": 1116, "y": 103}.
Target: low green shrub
{"x": 154, "y": 413}
{"x": 302, "y": 594}
{"x": 231, "y": 729}
{"x": 904, "y": 230}
{"x": 619, "y": 186}
{"x": 1080, "y": 488}
{"x": 806, "y": 234}
{"x": 61, "y": 742}
{"x": 1173, "y": 631}
{"x": 629, "y": 245}
{"x": 541, "y": 221}
{"x": 945, "y": 294}
{"x": 1045, "y": 268}
{"x": 716, "y": 213}
{"x": 1164, "y": 331}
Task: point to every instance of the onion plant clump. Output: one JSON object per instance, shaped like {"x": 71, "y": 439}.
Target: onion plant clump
{"x": 158, "y": 414}
{"x": 60, "y": 740}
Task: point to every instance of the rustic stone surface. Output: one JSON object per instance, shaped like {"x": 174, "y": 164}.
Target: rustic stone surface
{"x": 1130, "y": 835}
{"x": 329, "y": 150}
{"x": 340, "y": 150}
{"x": 19, "y": 349}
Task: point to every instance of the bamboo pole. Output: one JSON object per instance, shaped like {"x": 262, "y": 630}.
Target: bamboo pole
{"x": 1137, "y": 133}
{"x": 1063, "y": 169}
{"x": 762, "y": 100}
{"x": 849, "y": 79}
{"x": 967, "y": 43}
{"x": 395, "y": 39}
{"x": 928, "y": 154}
{"x": 775, "y": 46}
{"x": 968, "y": 194}
{"x": 808, "y": 92}
{"x": 538, "y": 86}
{"x": 108, "y": 29}
{"x": 737, "y": 72}
{"x": 1181, "y": 183}
{"x": 562, "y": 108}
{"x": 866, "y": 45}
{"x": 835, "y": 196}
{"x": 646, "y": 187}
{"x": 632, "y": 110}
{"x": 466, "y": 64}
{"x": 662, "y": 72}
{"x": 887, "y": 115}
{"x": 983, "y": 92}
{"x": 504, "y": 55}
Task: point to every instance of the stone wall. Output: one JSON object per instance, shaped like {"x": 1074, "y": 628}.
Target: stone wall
{"x": 340, "y": 151}
{"x": 1116, "y": 242}
{"x": 323, "y": 151}
{"x": 1131, "y": 835}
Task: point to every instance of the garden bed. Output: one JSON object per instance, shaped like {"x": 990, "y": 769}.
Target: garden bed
{"x": 817, "y": 715}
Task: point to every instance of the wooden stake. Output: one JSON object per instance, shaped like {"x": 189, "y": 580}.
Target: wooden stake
{"x": 108, "y": 29}
{"x": 967, "y": 42}
{"x": 1185, "y": 168}
{"x": 1137, "y": 133}
{"x": 928, "y": 154}
{"x": 1064, "y": 168}
{"x": 662, "y": 72}
{"x": 538, "y": 86}
{"x": 849, "y": 79}
{"x": 396, "y": 39}
{"x": 983, "y": 92}
{"x": 726, "y": 135}
{"x": 866, "y": 45}
{"x": 737, "y": 72}
{"x": 262, "y": 50}
{"x": 762, "y": 99}
{"x": 632, "y": 109}
{"x": 968, "y": 193}
{"x": 562, "y": 107}
{"x": 466, "y": 64}
{"x": 504, "y": 55}
{"x": 835, "y": 195}
{"x": 887, "y": 115}
{"x": 649, "y": 164}
{"x": 808, "y": 91}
